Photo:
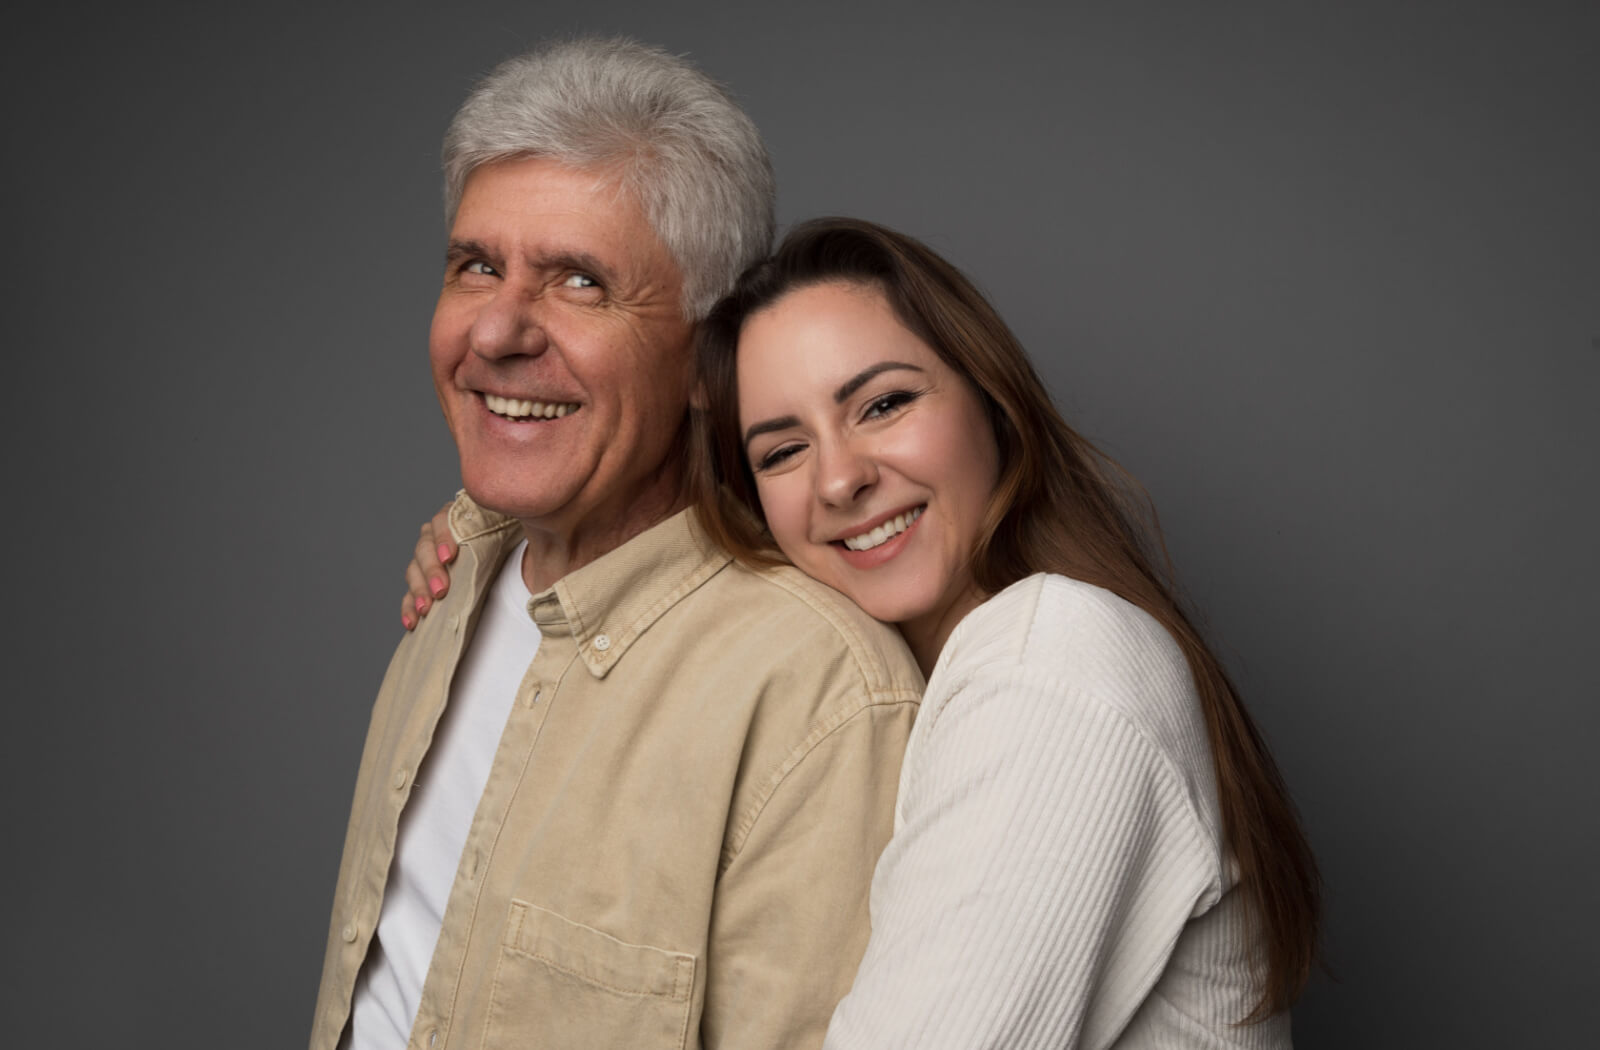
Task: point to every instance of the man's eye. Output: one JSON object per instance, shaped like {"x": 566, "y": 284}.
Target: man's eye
{"x": 581, "y": 280}
{"x": 478, "y": 266}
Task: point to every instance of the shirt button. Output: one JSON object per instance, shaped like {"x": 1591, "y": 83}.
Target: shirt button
{"x": 399, "y": 779}
{"x": 349, "y": 932}
{"x": 602, "y": 642}
{"x": 433, "y": 1037}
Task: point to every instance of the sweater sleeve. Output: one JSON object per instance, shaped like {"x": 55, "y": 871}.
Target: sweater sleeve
{"x": 1048, "y": 857}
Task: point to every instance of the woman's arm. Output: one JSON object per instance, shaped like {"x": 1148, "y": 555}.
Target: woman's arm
{"x": 1047, "y": 860}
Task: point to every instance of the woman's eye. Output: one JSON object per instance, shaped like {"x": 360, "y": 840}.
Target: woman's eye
{"x": 777, "y": 457}
{"x": 882, "y": 406}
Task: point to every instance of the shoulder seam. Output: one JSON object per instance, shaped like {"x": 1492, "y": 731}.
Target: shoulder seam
{"x": 870, "y": 674}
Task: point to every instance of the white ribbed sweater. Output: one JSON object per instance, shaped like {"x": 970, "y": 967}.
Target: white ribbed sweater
{"x": 1057, "y": 876}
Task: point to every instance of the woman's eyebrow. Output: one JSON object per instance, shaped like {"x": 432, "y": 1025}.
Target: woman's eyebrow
{"x": 861, "y": 378}
{"x": 851, "y": 385}
{"x": 767, "y": 426}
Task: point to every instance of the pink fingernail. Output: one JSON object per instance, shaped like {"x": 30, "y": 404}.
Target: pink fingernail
{"x": 436, "y": 585}
{"x": 422, "y": 603}
{"x": 444, "y": 553}
{"x": 408, "y": 621}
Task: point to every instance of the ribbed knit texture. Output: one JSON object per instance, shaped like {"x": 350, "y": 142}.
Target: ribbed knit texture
{"x": 1057, "y": 876}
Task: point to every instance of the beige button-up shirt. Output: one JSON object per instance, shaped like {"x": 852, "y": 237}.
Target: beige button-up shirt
{"x": 678, "y": 832}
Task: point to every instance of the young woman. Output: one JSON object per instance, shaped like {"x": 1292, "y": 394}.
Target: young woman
{"x": 1093, "y": 847}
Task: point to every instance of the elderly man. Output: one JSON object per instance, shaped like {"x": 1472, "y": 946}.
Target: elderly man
{"x": 617, "y": 791}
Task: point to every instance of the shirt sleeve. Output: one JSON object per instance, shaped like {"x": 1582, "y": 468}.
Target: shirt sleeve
{"x": 1048, "y": 857}
{"x": 791, "y": 914}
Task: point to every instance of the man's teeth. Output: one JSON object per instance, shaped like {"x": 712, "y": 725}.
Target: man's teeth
{"x": 885, "y": 532}
{"x": 511, "y": 408}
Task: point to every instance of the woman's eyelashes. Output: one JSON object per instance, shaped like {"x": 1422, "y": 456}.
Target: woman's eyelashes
{"x": 777, "y": 457}
{"x": 886, "y": 404}
{"x": 878, "y": 407}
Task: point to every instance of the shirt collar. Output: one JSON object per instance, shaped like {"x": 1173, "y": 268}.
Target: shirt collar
{"x": 610, "y": 602}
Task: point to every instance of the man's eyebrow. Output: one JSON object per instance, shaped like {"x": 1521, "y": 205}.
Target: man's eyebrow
{"x": 862, "y": 377}
{"x": 582, "y": 262}
{"x": 767, "y": 426}
{"x": 557, "y": 261}
{"x": 457, "y": 250}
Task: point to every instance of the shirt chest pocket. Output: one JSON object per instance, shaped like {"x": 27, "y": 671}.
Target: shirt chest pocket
{"x": 559, "y": 985}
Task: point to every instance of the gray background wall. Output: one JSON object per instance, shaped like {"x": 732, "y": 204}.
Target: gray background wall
{"x": 1327, "y": 277}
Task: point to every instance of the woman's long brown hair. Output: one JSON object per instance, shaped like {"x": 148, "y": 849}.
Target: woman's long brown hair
{"x": 1060, "y": 506}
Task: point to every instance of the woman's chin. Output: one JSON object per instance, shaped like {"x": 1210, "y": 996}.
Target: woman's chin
{"x": 897, "y": 607}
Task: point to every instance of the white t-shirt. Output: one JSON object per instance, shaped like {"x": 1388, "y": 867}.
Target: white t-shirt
{"x": 433, "y": 828}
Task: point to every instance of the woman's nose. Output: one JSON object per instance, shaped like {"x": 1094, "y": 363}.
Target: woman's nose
{"x": 844, "y": 474}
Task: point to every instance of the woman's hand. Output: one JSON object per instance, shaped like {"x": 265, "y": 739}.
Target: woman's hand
{"x": 427, "y": 579}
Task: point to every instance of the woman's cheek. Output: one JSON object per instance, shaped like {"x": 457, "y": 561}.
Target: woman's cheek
{"x": 784, "y": 503}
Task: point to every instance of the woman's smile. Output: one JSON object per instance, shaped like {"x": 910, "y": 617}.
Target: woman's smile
{"x": 874, "y": 461}
{"x": 884, "y": 531}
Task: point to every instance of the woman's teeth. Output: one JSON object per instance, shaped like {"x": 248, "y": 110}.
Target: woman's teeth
{"x": 883, "y": 533}
{"x": 511, "y": 408}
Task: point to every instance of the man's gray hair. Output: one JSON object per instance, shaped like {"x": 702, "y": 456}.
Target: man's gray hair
{"x": 691, "y": 157}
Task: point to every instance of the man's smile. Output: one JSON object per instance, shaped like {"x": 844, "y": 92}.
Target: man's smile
{"x": 512, "y": 408}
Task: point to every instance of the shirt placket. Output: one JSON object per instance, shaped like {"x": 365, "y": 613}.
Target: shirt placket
{"x": 513, "y": 763}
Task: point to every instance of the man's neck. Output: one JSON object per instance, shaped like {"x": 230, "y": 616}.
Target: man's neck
{"x": 554, "y": 553}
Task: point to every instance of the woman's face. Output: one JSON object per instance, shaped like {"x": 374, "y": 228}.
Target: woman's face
{"x": 874, "y": 460}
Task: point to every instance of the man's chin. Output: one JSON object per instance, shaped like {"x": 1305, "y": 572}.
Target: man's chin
{"x": 570, "y": 504}
{"x": 514, "y": 501}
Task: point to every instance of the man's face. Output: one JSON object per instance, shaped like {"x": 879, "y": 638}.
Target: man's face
{"x": 560, "y": 352}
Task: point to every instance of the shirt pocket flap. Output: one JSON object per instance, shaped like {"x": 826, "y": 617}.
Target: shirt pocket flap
{"x": 598, "y": 958}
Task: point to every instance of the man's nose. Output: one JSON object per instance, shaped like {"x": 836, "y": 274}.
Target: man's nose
{"x": 844, "y": 473}
{"x": 508, "y": 325}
